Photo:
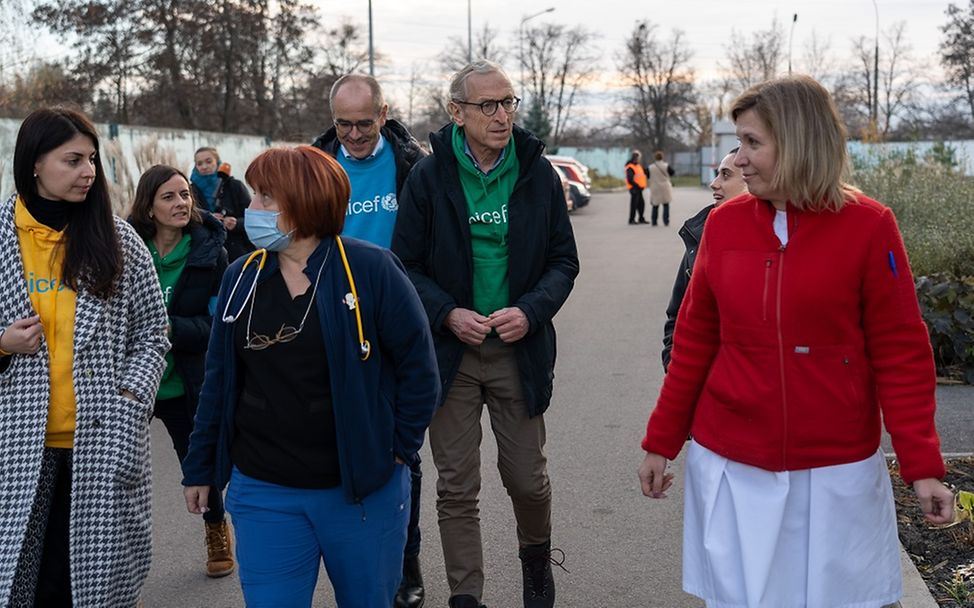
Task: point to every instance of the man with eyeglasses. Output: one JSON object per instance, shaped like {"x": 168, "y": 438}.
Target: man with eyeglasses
{"x": 484, "y": 235}
{"x": 377, "y": 153}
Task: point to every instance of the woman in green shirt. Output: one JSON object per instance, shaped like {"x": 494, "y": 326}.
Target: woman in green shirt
{"x": 187, "y": 247}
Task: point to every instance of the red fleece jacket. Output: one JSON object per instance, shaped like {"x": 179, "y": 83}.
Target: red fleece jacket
{"x": 785, "y": 357}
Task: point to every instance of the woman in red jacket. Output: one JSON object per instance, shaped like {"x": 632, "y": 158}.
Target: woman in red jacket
{"x": 799, "y": 333}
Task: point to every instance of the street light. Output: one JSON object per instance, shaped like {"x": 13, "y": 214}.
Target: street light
{"x": 875, "y": 107}
{"x": 371, "y": 49}
{"x": 520, "y": 43}
{"x": 791, "y": 37}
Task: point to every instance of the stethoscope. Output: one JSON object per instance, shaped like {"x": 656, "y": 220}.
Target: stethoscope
{"x": 351, "y": 299}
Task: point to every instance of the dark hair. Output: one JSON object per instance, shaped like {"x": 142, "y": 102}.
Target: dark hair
{"x": 92, "y": 251}
{"x": 145, "y": 194}
{"x": 658, "y": 155}
{"x": 310, "y": 186}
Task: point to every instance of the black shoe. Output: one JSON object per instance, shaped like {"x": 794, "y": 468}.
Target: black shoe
{"x": 642, "y": 220}
{"x": 631, "y": 222}
{"x": 465, "y": 601}
{"x": 411, "y": 592}
{"x": 539, "y": 583}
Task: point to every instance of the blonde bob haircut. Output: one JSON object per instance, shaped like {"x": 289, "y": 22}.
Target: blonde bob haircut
{"x": 812, "y": 168}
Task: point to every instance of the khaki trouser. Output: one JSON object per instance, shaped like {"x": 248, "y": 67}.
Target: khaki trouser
{"x": 488, "y": 374}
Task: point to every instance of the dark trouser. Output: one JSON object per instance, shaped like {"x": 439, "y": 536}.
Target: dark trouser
{"x": 488, "y": 375}
{"x": 43, "y": 575}
{"x": 176, "y": 414}
{"x": 413, "y": 536}
{"x": 666, "y": 214}
{"x": 637, "y": 204}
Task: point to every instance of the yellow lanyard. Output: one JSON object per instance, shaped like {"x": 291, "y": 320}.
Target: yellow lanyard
{"x": 351, "y": 300}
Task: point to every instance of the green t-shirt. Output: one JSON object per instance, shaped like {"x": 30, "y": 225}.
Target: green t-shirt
{"x": 169, "y": 268}
{"x": 487, "y": 198}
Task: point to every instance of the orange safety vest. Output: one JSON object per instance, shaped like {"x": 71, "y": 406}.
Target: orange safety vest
{"x": 638, "y": 176}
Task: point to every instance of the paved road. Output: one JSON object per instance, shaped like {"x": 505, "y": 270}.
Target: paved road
{"x": 623, "y": 550}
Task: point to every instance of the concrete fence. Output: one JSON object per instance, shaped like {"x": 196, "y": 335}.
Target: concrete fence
{"x": 127, "y": 151}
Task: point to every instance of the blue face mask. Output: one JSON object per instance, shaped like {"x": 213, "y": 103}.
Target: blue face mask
{"x": 261, "y": 227}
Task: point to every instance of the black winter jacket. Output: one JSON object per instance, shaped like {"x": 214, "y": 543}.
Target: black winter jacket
{"x": 404, "y": 147}
{"x": 432, "y": 238}
{"x": 232, "y": 198}
{"x": 690, "y": 232}
{"x": 189, "y": 312}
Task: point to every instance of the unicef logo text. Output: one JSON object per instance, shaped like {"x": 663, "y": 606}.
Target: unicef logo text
{"x": 378, "y": 203}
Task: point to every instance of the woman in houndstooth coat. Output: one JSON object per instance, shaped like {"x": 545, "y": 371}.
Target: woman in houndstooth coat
{"x": 82, "y": 340}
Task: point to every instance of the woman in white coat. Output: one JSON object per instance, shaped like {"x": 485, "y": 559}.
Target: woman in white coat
{"x": 82, "y": 340}
{"x": 660, "y": 188}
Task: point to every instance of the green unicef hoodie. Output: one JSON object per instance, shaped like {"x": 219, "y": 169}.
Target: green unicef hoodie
{"x": 169, "y": 268}
{"x": 487, "y": 197}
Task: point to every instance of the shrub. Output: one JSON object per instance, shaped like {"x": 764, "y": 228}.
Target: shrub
{"x": 604, "y": 182}
{"x": 947, "y": 306}
{"x": 933, "y": 203}
{"x": 934, "y": 206}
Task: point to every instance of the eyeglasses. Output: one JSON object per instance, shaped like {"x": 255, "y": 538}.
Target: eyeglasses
{"x": 489, "y": 106}
{"x": 345, "y": 126}
{"x": 286, "y": 333}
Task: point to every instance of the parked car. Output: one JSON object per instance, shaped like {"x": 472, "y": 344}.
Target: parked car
{"x": 566, "y": 188}
{"x": 578, "y": 178}
{"x": 574, "y": 170}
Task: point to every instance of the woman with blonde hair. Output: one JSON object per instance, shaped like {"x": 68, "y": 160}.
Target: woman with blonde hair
{"x": 800, "y": 336}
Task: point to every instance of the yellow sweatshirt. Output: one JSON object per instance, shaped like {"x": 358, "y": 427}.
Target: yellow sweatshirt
{"x": 43, "y": 254}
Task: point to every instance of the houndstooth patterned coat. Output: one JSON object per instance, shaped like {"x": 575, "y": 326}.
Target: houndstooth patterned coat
{"x": 118, "y": 344}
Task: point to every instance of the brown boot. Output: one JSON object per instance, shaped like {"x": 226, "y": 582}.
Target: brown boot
{"x": 219, "y": 549}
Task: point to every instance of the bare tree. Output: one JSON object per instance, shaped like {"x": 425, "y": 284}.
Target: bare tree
{"x": 899, "y": 82}
{"x": 957, "y": 51}
{"x": 557, "y": 61}
{"x": 486, "y": 45}
{"x": 817, "y": 59}
{"x": 899, "y": 78}
{"x": 756, "y": 56}
{"x": 13, "y": 50}
{"x": 660, "y": 84}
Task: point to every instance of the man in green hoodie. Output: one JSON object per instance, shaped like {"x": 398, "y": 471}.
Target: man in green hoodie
{"x": 484, "y": 235}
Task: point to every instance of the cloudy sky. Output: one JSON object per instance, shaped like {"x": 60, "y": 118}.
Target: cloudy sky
{"x": 416, "y": 30}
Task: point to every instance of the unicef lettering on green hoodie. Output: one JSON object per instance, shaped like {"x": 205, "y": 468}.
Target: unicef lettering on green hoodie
{"x": 487, "y": 197}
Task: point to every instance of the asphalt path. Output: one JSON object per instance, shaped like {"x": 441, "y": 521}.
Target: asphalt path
{"x": 622, "y": 549}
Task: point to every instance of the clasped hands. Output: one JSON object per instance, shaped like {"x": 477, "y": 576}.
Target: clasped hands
{"x": 471, "y": 327}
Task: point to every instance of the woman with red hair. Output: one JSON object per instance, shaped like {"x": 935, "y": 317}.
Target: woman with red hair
{"x": 320, "y": 383}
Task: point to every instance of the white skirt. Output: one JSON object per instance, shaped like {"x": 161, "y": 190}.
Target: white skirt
{"x": 816, "y": 538}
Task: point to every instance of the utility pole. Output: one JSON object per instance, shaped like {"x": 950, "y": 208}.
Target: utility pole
{"x": 469, "y": 34}
{"x": 371, "y": 48}
{"x": 875, "y": 108}
{"x": 791, "y": 38}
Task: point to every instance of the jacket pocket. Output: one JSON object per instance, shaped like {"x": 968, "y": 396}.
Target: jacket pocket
{"x": 744, "y": 285}
{"x": 826, "y": 393}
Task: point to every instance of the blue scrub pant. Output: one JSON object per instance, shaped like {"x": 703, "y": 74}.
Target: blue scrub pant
{"x": 284, "y": 533}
